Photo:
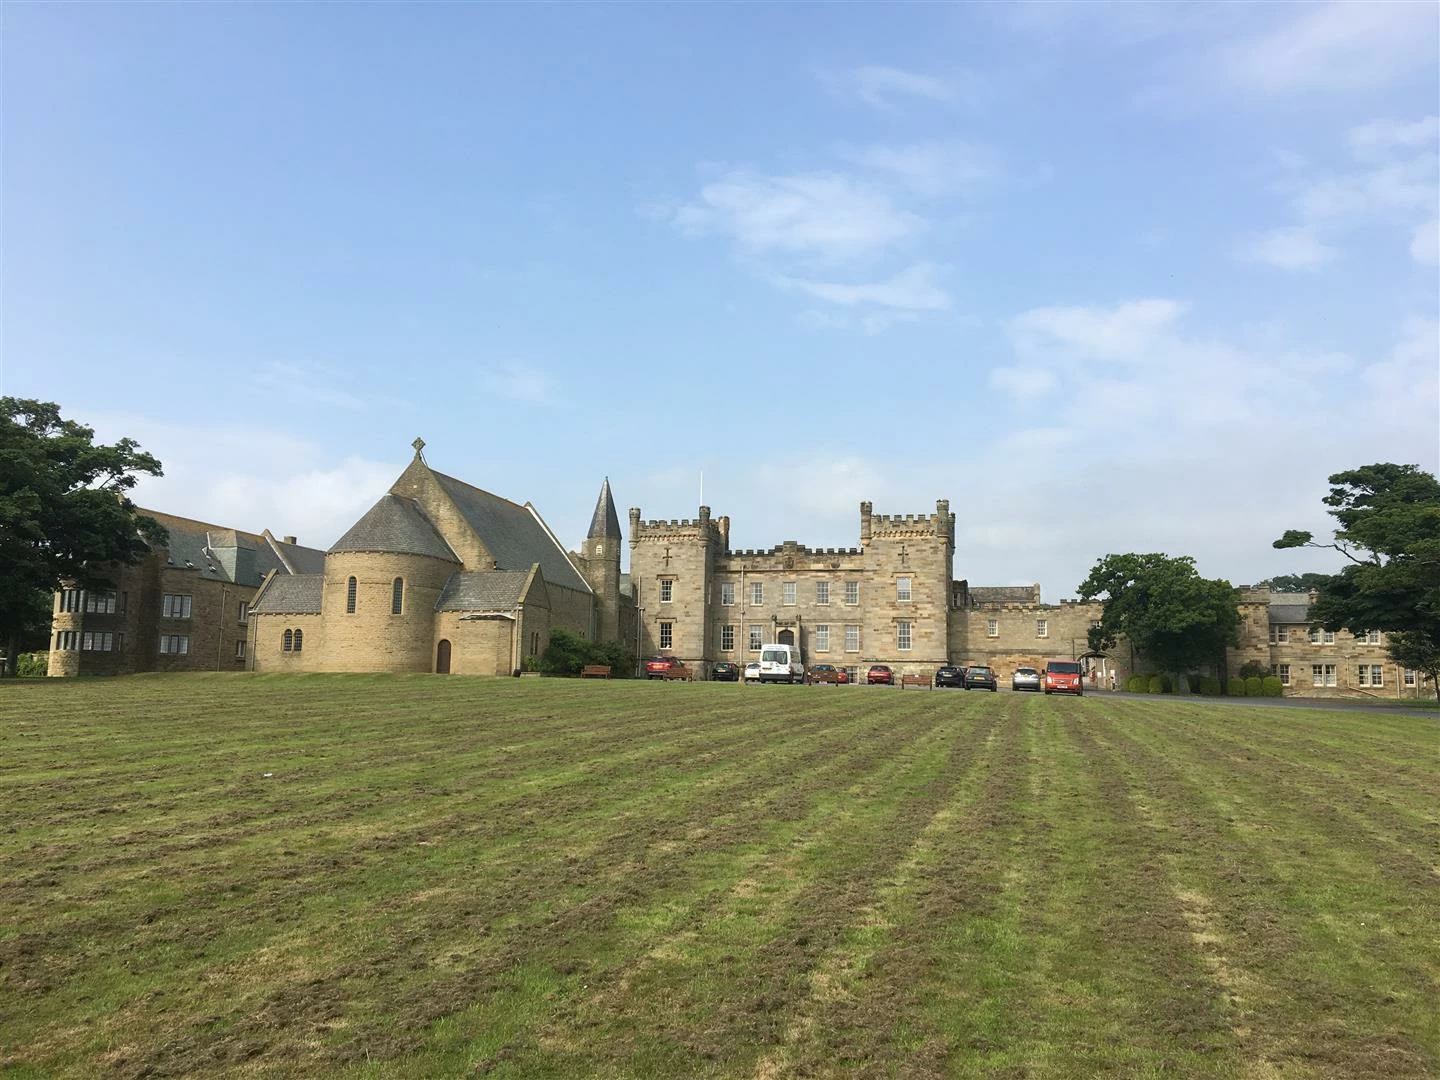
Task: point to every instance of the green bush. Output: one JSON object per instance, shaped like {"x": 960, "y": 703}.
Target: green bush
{"x": 1270, "y": 686}
{"x": 1236, "y": 687}
{"x": 1210, "y": 686}
{"x": 32, "y": 665}
{"x": 1255, "y": 669}
{"x": 1253, "y": 685}
{"x": 1137, "y": 684}
{"x": 1156, "y": 685}
{"x": 567, "y": 653}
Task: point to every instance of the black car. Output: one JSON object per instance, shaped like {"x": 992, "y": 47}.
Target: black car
{"x": 950, "y": 675}
{"x": 981, "y": 678}
{"x": 724, "y": 672}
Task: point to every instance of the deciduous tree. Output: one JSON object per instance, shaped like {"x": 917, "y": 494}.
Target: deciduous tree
{"x": 63, "y": 508}
{"x": 1172, "y": 615}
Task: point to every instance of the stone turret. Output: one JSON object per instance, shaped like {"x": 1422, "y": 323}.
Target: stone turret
{"x": 600, "y": 563}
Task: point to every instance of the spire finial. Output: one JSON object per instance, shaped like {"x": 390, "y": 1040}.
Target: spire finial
{"x": 419, "y": 445}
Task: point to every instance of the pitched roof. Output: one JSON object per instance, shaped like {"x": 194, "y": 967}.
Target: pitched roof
{"x": 218, "y": 553}
{"x": 1003, "y": 594}
{"x": 514, "y": 535}
{"x": 301, "y": 560}
{"x": 482, "y": 590}
{"x": 605, "y": 522}
{"x": 291, "y": 595}
{"x": 1289, "y": 614}
{"x": 395, "y": 524}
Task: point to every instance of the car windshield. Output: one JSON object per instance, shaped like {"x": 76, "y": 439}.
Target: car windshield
{"x": 1063, "y": 667}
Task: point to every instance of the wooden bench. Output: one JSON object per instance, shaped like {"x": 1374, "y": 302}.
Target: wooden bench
{"x": 678, "y": 671}
{"x": 595, "y": 671}
{"x": 914, "y": 680}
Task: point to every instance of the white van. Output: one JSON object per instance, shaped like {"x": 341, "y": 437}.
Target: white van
{"x": 781, "y": 663}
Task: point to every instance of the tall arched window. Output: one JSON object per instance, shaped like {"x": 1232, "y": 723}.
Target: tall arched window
{"x": 289, "y": 640}
{"x": 350, "y": 597}
{"x": 299, "y": 640}
{"x": 397, "y": 596}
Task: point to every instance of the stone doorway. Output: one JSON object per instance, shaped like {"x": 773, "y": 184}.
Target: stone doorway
{"x": 785, "y": 637}
{"x": 442, "y": 657}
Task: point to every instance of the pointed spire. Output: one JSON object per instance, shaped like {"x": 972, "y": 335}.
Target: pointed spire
{"x": 605, "y": 523}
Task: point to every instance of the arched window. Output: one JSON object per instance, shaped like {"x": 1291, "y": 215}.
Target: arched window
{"x": 289, "y": 640}
{"x": 397, "y": 596}
{"x": 299, "y": 640}
{"x": 350, "y": 597}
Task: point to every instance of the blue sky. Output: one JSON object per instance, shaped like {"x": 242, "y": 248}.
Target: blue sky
{"x": 1108, "y": 277}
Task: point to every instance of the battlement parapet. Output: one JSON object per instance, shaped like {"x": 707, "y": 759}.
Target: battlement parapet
{"x": 793, "y": 551}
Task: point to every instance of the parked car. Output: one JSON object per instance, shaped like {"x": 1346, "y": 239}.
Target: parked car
{"x": 827, "y": 673}
{"x": 724, "y": 671}
{"x": 980, "y": 677}
{"x": 781, "y": 663}
{"x": 1025, "y": 678}
{"x": 657, "y": 667}
{"x": 950, "y": 675}
{"x": 879, "y": 675}
{"x": 1064, "y": 677}
{"x": 752, "y": 671}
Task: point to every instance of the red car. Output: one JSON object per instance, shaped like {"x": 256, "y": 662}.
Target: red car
{"x": 827, "y": 673}
{"x": 657, "y": 667}
{"x": 1064, "y": 677}
{"x": 880, "y": 675}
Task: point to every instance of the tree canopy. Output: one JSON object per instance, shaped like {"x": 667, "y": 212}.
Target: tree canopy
{"x": 1389, "y": 529}
{"x": 63, "y": 508}
{"x": 1295, "y": 583}
{"x": 1177, "y": 619}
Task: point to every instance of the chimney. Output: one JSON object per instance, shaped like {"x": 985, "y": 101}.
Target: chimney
{"x": 289, "y": 539}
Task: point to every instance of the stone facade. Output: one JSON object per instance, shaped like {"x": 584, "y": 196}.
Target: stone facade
{"x": 184, "y": 607}
{"x": 440, "y": 576}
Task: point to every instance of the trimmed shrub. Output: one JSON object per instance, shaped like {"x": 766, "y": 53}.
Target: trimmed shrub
{"x": 1236, "y": 688}
{"x": 1270, "y": 686}
{"x": 32, "y": 665}
{"x": 1156, "y": 685}
{"x": 1137, "y": 684}
{"x": 1254, "y": 667}
{"x": 1253, "y": 685}
{"x": 1210, "y": 686}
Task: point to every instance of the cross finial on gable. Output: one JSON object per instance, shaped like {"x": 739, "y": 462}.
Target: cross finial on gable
{"x": 419, "y": 445}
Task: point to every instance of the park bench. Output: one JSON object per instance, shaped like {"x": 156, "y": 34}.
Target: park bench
{"x": 595, "y": 671}
{"x": 914, "y": 680}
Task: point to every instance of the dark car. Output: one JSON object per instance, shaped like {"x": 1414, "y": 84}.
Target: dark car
{"x": 1064, "y": 677}
{"x": 880, "y": 675}
{"x": 657, "y": 667}
{"x": 724, "y": 671}
{"x": 950, "y": 675}
{"x": 981, "y": 678}
{"x": 1025, "y": 678}
{"x": 827, "y": 673}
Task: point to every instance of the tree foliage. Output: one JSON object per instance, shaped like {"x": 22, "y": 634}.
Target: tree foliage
{"x": 1171, "y": 614}
{"x": 1293, "y": 582}
{"x": 63, "y": 508}
{"x": 1418, "y": 652}
{"x": 567, "y": 653}
{"x": 1389, "y": 530}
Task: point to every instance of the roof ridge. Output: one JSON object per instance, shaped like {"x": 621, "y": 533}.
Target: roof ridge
{"x": 472, "y": 487}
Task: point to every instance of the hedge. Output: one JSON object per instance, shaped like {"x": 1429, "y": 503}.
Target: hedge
{"x": 1137, "y": 684}
{"x": 1271, "y": 686}
{"x": 1210, "y": 685}
{"x": 1254, "y": 686}
{"x": 1236, "y": 688}
{"x": 1156, "y": 685}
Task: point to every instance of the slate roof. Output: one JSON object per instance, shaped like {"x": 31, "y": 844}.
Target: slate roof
{"x": 514, "y": 534}
{"x": 291, "y": 595}
{"x": 303, "y": 560}
{"x": 217, "y": 553}
{"x": 1289, "y": 614}
{"x": 482, "y": 590}
{"x": 605, "y": 522}
{"x": 1002, "y": 594}
{"x": 395, "y": 524}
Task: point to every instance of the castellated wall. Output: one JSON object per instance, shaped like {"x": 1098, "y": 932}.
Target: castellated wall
{"x": 373, "y": 639}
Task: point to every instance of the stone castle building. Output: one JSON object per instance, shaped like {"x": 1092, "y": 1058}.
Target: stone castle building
{"x": 441, "y": 576}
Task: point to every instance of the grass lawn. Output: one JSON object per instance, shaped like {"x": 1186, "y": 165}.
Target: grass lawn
{"x": 395, "y": 876}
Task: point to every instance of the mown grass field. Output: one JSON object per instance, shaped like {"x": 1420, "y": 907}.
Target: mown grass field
{"x": 415, "y": 876}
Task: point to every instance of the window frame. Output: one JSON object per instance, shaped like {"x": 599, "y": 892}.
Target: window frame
{"x": 397, "y": 596}
{"x": 992, "y": 627}
{"x": 1042, "y": 628}
{"x": 849, "y": 636}
{"x": 822, "y": 593}
{"x": 757, "y": 594}
{"x": 352, "y": 594}
{"x": 822, "y": 637}
{"x": 667, "y": 590}
{"x": 904, "y": 589}
{"x": 727, "y": 637}
{"x": 727, "y": 594}
{"x": 787, "y": 594}
{"x": 852, "y": 593}
{"x": 667, "y": 634}
{"x": 904, "y": 635}
{"x": 754, "y": 637}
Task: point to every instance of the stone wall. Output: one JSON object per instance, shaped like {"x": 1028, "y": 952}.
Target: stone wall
{"x": 372, "y": 638}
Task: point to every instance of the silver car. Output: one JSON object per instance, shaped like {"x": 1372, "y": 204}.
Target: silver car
{"x": 1025, "y": 678}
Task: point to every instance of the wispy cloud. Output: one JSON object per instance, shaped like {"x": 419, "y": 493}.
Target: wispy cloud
{"x": 913, "y": 289}
{"x": 1425, "y": 244}
{"x": 1126, "y": 331}
{"x": 1294, "y": 248}
{"x": 828, "y": 215}
{"x": 928, "y": 168}
{"x": 518, "y": 382}
{"x": 885, "y": 87}
{"x": 301, "y": 382}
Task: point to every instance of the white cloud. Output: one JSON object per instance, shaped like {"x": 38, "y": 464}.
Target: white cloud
{"x": 1338, "y": 46}
{"x": 929, "y": 168}
{"x": 309, "y": 383}
{"x": 910, "y": 290}
{"x": 1379, "y": 139}
{"x": 828, "y": 215}
{"x": 1024, "y": 382}
{"x": 1294, "y": 248}
{"x": 1425, "y": 244}
{"x": 880, "y": 86}
{"x": 1124, "y": 332}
